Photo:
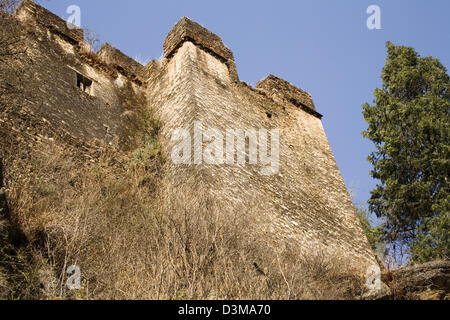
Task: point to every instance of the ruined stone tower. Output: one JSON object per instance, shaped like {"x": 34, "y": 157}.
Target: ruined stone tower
{"x": 306, "y": 202}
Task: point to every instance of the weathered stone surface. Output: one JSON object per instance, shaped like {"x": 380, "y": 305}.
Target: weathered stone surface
{"x": 306, "y": 204}
{"x": 432, "y": 295}
{"x": 382, "y": 293}
{"x": 188, "y": 30}
{"x": 429, "y": 281}
{"x": 281, "y": 89}
{"x": 30, "y": 11}
{"x": 3, "y": 206}
{"x": 114, "y": 56}
{"x": 49, "y": 94}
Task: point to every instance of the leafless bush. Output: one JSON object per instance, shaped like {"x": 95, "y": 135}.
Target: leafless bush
{"x": 8, "y": 6}
{"x": 111, "y": 218}
{"x": 91, "y": 40}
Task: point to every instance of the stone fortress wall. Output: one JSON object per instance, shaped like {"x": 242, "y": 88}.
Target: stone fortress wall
{"x": 307, "y": 202}
{"x": 98, "y": 99}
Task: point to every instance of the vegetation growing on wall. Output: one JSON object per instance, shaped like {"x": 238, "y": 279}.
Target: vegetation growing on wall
{"x": 104, "y": 212}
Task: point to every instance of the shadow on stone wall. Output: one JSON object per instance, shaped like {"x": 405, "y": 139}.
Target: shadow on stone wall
{"x": 4, "y": 209}
{"x": 8, "y": 230}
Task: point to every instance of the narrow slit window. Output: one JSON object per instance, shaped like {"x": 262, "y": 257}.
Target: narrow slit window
{"x": 83, "y": 83}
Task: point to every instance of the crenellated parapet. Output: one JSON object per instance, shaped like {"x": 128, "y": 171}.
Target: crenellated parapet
{"x": 278, "y": 88}
{"x": 188, "y": 30}
{"x": 121, "y": 61}
{"x": 30, "y": 11}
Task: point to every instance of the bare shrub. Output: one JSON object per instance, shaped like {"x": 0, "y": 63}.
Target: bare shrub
{"x": 109, "y": 216}
{"x": 91, "y": 40}
{"x": 8, "y": 6}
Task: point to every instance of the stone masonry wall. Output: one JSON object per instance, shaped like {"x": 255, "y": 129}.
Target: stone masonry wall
{"x": 28, "y": 10}
{"x": 48, "y": 82}
{"x": 307, "y": 202}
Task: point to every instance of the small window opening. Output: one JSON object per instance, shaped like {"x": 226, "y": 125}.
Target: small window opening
{"x": 84, "y": 83}
{"x": 120, "y": 69}
{"x": 269, "y": 115}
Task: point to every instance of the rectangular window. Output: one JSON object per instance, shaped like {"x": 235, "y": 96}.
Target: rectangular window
{"x": 84, "y": 84}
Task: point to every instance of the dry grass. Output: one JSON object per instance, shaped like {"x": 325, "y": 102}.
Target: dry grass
{"x": 108, "y": 216}
{"x": 107, "y": 211}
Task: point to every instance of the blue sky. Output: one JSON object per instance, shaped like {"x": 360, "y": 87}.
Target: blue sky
{"x": 323, "y": 47}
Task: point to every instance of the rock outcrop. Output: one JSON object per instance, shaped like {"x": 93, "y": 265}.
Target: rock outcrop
{"x": 429, "y": 281}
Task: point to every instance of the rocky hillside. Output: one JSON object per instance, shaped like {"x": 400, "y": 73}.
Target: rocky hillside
{"x": 429, "y": 281}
